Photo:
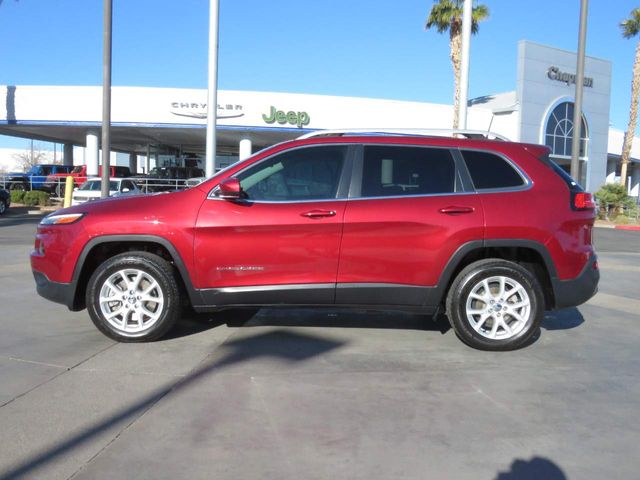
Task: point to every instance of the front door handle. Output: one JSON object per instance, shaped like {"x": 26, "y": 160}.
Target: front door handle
{"x": 455, "y": 210}
{"x": 319, "y": 213}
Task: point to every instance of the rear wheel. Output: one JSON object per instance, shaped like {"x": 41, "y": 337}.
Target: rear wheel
{"x": 19, "y": 186}
{"x": 134, "y": 297}
{"x": 3, "y": 206}
{"x": 495, "y": 304}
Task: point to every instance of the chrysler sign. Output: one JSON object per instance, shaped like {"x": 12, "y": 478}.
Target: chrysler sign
{"x": 554, "y": 73}
{"x": 199, "y": 110}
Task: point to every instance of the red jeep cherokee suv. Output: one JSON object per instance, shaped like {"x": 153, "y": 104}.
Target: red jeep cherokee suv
{"x": 493, "y": 232}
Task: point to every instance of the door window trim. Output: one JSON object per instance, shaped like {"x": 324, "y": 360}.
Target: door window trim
{"x": 343, "y": 181}
{"x": 355, "y": 188}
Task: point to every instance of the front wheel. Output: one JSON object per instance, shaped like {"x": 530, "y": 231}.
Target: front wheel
{"x": 134, "y": 297}
{"x": 3, "y": 206}
{"x": 495, "y": 304}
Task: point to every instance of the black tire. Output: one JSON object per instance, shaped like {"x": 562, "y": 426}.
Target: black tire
{"x": 470, "y": 280}
{"x": 153, "y": 267}
{"x": 18, "y": 186}
{"x": 3, "y": 207}
{"x": 59, "y": 190}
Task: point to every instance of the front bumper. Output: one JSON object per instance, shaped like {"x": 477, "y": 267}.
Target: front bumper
{"x": 56, "y": 292}
{"x": 574, "y": 292}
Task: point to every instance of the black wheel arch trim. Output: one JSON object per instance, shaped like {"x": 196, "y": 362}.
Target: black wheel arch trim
{"x": 437, "y": 293}
{"x": 194, "y": 294}
{"x": 434, "y": 295}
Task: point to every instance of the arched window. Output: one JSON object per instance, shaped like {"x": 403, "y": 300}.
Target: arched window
{"x": 559, "y": 134}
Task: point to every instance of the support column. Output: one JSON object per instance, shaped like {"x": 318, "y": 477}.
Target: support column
{"x": 67, "y": 154}
{"x": 245, "y": 148}
{"x": 634, "y": 180}
{"x": 147, "y": 160}
{"x": 133, "y": 163}
{"x": 92, "y": 153}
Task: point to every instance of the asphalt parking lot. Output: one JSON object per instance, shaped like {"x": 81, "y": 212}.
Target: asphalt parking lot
{"x": 327, "y": 394}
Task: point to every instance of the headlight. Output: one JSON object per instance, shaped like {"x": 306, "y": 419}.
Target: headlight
{"x": 61, "y": 219}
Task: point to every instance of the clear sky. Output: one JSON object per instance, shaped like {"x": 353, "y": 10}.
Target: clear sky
{"x": 367, "y": 48}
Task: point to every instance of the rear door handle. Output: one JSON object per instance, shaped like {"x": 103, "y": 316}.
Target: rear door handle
{"x": 455, "y": 210}
{"x": 319, "y": 213}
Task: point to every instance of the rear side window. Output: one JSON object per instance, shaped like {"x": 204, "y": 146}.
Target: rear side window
{"x": 490, "y": 171}
{"x": 390, "y": 171}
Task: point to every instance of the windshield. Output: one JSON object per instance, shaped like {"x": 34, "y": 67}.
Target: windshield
{"x": 77, "y": 169}
{"x": 160, "y": 172}
{"x": 95, "y": 186}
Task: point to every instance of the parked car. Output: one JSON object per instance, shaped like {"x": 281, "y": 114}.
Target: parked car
{"x": 35, "y": 178}
{"x": 55, "y": 182}
{"x": 91, "y": 189}
{"x": 5, "y": 201}
{"x": 491, "y": 233}
{"x": 162, "y": 179}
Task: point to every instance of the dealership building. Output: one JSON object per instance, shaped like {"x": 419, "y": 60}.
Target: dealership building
{"x": 166, "y": 126}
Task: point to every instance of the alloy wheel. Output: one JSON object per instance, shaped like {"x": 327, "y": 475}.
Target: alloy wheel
{"x": 131, "y": 301}
{"x": 498, "y": 307}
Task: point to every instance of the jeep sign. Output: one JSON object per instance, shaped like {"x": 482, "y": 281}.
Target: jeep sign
{"x": 298, "y": 119}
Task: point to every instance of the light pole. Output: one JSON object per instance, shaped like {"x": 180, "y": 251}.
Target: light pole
{"x": 106, "y": 98}
{"x": 212, "y": 89}
{"x": 577, "y": 109}
{"x": 467, "y": 11}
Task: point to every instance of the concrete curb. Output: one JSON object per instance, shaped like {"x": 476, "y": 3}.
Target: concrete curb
{"x": 635, "y": 228}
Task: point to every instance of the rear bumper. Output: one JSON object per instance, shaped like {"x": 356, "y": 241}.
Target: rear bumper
{"x": 56, "y": 292}
{"x": 574, "y": 292}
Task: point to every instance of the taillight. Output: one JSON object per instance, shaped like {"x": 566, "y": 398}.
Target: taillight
{"x": 583, "y": 201}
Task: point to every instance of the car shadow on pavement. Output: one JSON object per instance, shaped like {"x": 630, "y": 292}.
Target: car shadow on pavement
{"x": 192, "y": 323}
{"x": 337, "y": 318}
{"x": 537, "y": 468}
{"x": 283, "y": 345}
{"x": 564, "y": 319}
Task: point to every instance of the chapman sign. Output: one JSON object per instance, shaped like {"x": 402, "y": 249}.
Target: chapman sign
{"x": 554, "y": 73}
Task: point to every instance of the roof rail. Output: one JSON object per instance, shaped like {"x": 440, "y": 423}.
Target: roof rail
{"x": 432, "y": 132}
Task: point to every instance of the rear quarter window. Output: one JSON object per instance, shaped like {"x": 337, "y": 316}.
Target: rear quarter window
{"x": 490, "y": 171}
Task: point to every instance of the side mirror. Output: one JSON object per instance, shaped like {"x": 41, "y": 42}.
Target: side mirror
{"x": 125, "y": 190}
{"x": 75, "y": 189}
{"x": 229, "y": 189}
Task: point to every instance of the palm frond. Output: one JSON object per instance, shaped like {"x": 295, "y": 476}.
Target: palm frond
{"x": 631, "y": 26}
{"x": 446, "y": 15}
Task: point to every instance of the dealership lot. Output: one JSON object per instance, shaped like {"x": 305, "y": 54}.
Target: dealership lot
{"x": 318, "y": 394}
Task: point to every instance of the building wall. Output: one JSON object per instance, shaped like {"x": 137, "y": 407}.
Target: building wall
{"x": 538, "y": 93}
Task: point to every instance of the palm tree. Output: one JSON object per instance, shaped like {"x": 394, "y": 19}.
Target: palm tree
{"x": 446, "y": 15}
{"x": 630, "y": 28}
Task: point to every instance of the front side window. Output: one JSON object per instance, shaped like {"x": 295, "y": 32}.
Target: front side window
{"x": 311, "y": 173}
{"x": 390, "y": 171}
